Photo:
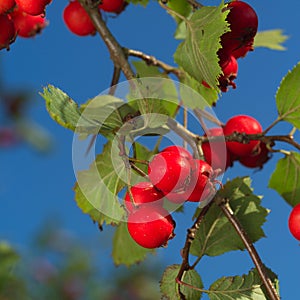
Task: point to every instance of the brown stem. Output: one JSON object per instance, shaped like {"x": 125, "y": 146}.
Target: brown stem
{"x": 224, "y": 205}
{"x": 185, "y": 265}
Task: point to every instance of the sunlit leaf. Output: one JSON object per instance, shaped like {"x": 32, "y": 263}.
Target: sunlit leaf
{"x": 272, "y": 39}
{"x": 169, "y": 287}
{"x": 286, "y": 178}
{"x": 288, "y": 97}
{"x": 216, "y": 235}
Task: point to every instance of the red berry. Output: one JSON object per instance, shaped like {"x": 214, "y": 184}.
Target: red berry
{"x": 229, "y": 68}
{"x": 215, "y": 152}
{"x": 169, "y": 171}
{"x": 7, "y": 32}
{"x": 200, "y": 186}
{"x": 78, "y": 20}
{"x": 142, "y": 193}
{"x": 115, "y": 6}
{"x": 294, "y": 222}
{"x": 151, "y": 227}
{"x": 179, "y": 150}
{"x": 243, "y": 50}
{"x": 6, "y": 6}
{"x": 27, "y": 25}
{"x": 242, "y": 124}
{"x": 243, "y": 22}
{"x": 33, "y": 7}
{"x": 257, "y": 159}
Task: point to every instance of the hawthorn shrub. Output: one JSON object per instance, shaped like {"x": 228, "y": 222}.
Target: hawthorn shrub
{"x": 152, "y": 164}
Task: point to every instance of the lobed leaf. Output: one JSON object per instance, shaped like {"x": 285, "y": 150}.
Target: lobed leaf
{"x": 216, "y": 235}
{"x": 125, "y": 250}
{"x": 169, "y": 287}
{"x": 61, "y": 107}
{"x": 271, "y": 39}
{"x": 197, "y": 54}
{"x": 285, "y": 179}
{"x": 288, "y": 97}
{"x": 243, "y": 287}
{"x": 96, "y": 190}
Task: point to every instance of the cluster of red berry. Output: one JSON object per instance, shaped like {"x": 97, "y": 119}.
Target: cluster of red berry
{"x": 236, "y": 43}
{"x": 175, "y": 176}
{"x": 24, "y": 18}
{"x": 78, "y": 20}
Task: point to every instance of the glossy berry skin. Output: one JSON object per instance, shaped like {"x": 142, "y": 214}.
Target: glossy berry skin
{"x": 242, "y": 124}
{"x": 114, "y": 6}
{"x": 243, "y": 22}
{"x": 179, "y": 151}
{"x": 77, "y": 19}
{"x": 33, "y": 7}
{"x": 143, "y": 193}
{"x": 229, "y": 68}
{"x": 7, "y": 32}
{"x": 215, "y": 153}
{"x": 294, "y": 222}
{"x": 243, "y": 50}
{"x": 27, "y": 25}
{"x": 169, "y": 171}
{"x": 6, "y": 6}
{"x": 200, "y": 186}
{"x": 151, "y": 227}
{"x": 257, "y": 159}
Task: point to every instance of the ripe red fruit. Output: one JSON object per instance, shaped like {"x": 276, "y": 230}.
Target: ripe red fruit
{"x": 33, "y": 7}
{"x": 151, "y": 227}
{"x": 169, "y": 171}
{"x": 27, "y": 25}
{"x": 215, "y": 152}
{"x": 243, "y": 22}
{"x": 242, "y": 124}
{"x": 179, "y": 150}
{"x": 201, "y": 186}
{"x": 6, "y": 6}
{"x": 115, "y": 6}
{"x": 229, "y": 68}
{"x": 243, "y": 50}
{"x": 143, "y": 193}
{"x": 257, "y": 159}
{"x": 294, "y": 222}
{"x": 78, "y": 20}
{"x": 7, "y": 32}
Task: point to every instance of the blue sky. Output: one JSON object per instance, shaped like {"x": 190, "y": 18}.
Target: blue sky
{"x": 34, "y": 186}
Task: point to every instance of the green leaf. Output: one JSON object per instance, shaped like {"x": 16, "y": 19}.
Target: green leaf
{"x": 285, "y": 179}
{"x": 197, "y": 54}
{"x": 216, "y": 235}
{"x": 271, "y": 39}
{"x": 125, "y": 250}
{"x": 169, "y": 287}
{"x": 61, "y": 107}
{"x": 8, "y": 257}
{"x": 96, "y": 190}
{"x": 141, "y": 2}
{"x": 243, "y": 287}
{"x": 106, "y": 112}
{"x": 288, "y": 97}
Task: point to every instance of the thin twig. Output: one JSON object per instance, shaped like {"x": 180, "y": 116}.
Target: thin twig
{"x": 224, "y": 205}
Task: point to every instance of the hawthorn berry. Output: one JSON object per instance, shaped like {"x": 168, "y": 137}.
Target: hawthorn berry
{"x": 257, "y": 159}
{"x": 229, "y": 68}
{"x": 33, "y": 7}
{"x": 294, "y": 222}
{"x": 215, "y": 152}
{"x": 114, "y": 6}
{"x": 151, "y": 227}
{"x": 201, "y": 186}
{"x": 243, "y": 22}
{"x": 27, "y": 25}
{"x": 179, "y": 150}
{"x": 169, "y": 171}
{"x": 7, "y": 32}
{"x": 78, "y": 20}
{"x": 6, "y": 6}
{"x": 143, "y": 193}
{"x": 242, "y": 124}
